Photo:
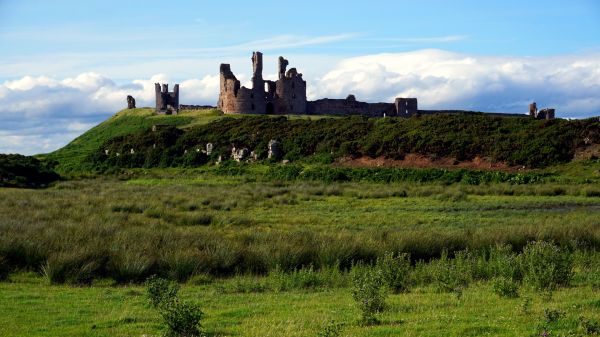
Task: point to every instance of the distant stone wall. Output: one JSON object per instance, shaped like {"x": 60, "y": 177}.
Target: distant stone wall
{"x": 350, "y": 106}
{"x": 196, "y": 107}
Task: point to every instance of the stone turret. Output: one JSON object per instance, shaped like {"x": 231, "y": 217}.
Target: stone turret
{"x": 166, "y": 102}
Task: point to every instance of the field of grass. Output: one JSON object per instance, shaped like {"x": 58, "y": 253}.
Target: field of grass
{"x": 310, "y": 248}
{"x": 268, "y": 257}
{"x": 31, "y": 307}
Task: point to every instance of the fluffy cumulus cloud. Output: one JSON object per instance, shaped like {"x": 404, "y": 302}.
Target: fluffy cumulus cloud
{"x": 40, "y": 114}
{"x": 445, "y": 80}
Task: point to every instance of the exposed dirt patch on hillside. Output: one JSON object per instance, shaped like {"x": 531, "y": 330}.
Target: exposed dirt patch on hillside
{"x": 587, "y": 152}
{"x": 413, "y": 160}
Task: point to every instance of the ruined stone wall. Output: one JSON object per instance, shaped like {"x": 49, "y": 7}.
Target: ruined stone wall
{"x": 290, "y": 94}
{"x": 350, "y": 106}
{"x": 285, "y": 96}
{"x": 166, "y": 102}
{"x": 195, "y": 107}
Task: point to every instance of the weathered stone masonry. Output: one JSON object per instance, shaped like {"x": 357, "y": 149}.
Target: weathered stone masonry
{"x": 287, "y": 95}
{"x": 166, "y": 102}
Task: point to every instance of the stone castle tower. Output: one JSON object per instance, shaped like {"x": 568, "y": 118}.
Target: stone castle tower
{"x": 166, "y": 102}
{"x": 287, "y": 95}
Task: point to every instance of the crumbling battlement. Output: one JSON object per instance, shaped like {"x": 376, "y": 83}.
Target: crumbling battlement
{"x": 287, "y": 95}
{"x": 547, "y": 113}
{"x": 166, "y": 102}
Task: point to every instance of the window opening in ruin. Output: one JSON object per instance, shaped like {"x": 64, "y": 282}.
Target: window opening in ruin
{"x": 270, "y": 109}
{"x": 251, "y": 95}
{"x": 252, "y": 106}
{"x": 293, "y": 85}
{"x": 266, "y": 87}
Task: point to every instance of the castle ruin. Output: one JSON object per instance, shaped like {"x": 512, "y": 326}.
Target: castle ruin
{"x": 547, "y": 113}
{"x": 287, "y": 95}
{"x": 167, "y": 103}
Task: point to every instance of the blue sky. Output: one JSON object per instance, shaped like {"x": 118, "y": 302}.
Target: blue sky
{"x": 68, "y": 64}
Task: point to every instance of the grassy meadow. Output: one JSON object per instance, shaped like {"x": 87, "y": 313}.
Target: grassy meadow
{"x": 265, "y": 257}
{"x": 145, "y": 239}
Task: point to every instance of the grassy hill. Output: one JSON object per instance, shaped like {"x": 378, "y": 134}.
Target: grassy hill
{"x": 322, "y": 139}
{"x": 73, "y": 156}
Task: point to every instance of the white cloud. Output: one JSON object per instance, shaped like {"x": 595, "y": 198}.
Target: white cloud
{"x": 445, "y": 80}
{"x": 43, "y": 113}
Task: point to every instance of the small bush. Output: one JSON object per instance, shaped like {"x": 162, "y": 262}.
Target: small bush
{"x": 505, "y": 287}
{"x": 395, "y": 270}
{"x": 160, "y": 291}
{"x": 451, "y": 274}
{"x": 552, "y": 315}
{"x": 546, "y": 266}
{"x": 589, "y": 326}
{"x": 332, "y": 329}
{"x": 182, "y": 318}
{"x": 502, "y": 262}
{"x": 368, "y": 292}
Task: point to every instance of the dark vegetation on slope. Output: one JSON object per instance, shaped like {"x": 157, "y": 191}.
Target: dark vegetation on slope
{"x": 22, "y": 171}
{"x": 515, "y": 141}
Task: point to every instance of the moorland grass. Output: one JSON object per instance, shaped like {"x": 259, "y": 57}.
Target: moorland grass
{"x": 267, "y": 257}
{"x": 128, "y": 230}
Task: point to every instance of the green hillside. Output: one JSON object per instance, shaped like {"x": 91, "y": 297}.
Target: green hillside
{"x": 73, "y": 156}
{"x": 511, "y": 141}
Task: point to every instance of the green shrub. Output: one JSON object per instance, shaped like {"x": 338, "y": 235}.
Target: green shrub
{"x": 552, "y": 315}
{"x": 505, "y": 287}
{"x": 504, "y": 263}
{"x": 181, "y": 318}
{"x": 589, "y": 326}
{"x": 448, "y": 274}
{"x": 160, "y": 291}
{"x": 23, "y": 171}
{"x": 331, "y": 329}
{"x": 395, "y": 270}
{"x": 546, "y": 266}
{"x": 369, "y": 292}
